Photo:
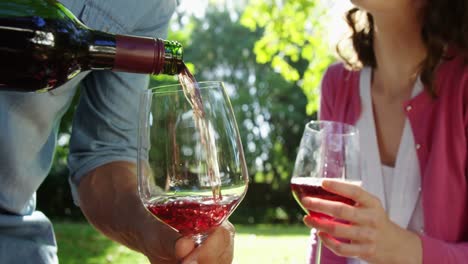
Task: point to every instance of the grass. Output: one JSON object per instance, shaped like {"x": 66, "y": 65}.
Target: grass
{"x": 79, "y": 243}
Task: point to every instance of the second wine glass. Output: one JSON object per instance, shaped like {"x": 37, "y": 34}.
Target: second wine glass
{"x": 191, "y": 168}
{"x": 328, "y": 150}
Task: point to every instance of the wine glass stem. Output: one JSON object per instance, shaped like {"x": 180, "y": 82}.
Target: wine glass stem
{"x": 199, "y": 238}
{"x": 318, "y": 254}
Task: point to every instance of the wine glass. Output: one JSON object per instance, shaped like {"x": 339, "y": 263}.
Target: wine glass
{"x": 327, "y": 150}
{"x": 191, "y": 168}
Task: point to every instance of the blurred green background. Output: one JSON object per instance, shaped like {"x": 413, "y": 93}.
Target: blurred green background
{"x": 271, "y": 55}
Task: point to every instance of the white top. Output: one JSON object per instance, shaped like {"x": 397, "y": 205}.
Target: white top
{"x": 397, "y": 188}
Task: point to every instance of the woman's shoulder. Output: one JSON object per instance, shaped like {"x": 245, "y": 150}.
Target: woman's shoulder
{"x": 339, "y": 71}
{"x": 340, "y": 93}
{"x": 452, "y": 87}
{"x": 339, "y": 78}
{"x": 453, "y": 74}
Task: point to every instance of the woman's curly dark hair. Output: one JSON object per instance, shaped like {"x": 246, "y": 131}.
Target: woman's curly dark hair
{"x": 445, "y": 24}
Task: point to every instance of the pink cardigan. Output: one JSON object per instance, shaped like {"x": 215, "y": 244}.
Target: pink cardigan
{"x": 440, "y": 128}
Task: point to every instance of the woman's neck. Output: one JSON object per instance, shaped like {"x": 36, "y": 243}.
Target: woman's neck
{"x": 399, "y": 51}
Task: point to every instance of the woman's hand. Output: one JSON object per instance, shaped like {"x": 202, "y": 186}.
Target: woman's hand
{"x": 371, "y": 235}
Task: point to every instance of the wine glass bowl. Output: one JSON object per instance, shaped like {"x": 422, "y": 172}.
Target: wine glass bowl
{"x": 312, "y": 187}
{"x": 191, "y": 168}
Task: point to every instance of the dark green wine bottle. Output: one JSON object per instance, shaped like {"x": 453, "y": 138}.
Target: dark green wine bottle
{"x": 43, "y": 45}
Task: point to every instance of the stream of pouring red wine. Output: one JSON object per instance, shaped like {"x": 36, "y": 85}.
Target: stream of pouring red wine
{"x": 193, "y": 95}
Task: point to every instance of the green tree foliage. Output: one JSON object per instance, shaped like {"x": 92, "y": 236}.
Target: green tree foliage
{"x": 294, "y": 35}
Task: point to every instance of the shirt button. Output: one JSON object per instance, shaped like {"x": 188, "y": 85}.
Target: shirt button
{"x": 418, "y": 146}
{"x": 409, "y": 108}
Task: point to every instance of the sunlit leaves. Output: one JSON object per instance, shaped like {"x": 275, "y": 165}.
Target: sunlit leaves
{"x": 288, "y": 72}
{"x": 293, "y": 31}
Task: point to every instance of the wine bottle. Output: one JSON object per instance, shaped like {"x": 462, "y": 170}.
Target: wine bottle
{"x": 43, "y": 45}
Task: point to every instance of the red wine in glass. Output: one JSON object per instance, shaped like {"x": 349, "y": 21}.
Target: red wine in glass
{"x": 312, "y": 187}
{"x": 192, "y": 215}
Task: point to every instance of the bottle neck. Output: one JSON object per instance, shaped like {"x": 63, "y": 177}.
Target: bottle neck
{"x": 136, "y": 54}
{"x": 139, "y": 55}
{"x": 102, "y": 51}
{"x": 173, "y": 57}
{"x": 126, "y": 53}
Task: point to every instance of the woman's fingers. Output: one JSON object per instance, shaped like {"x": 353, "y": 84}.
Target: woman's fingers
{"x": 338, "y": 210}
{"x": 347, "y": 249}
{"x": 331, "y": 208}
{"x": 360, "y": 234}
{"x": 351, "y": 191}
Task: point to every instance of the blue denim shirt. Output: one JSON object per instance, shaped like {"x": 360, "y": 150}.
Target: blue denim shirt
{"x": 104, "y": 128}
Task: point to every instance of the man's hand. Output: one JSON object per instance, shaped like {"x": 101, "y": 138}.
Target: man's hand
{"x": 109, "y": 200}
{"x": 217, "y": 248}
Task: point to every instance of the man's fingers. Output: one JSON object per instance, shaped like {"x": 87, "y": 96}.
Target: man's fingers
{"x": 218, "y": 248}
{"x": 183, "y": 247}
